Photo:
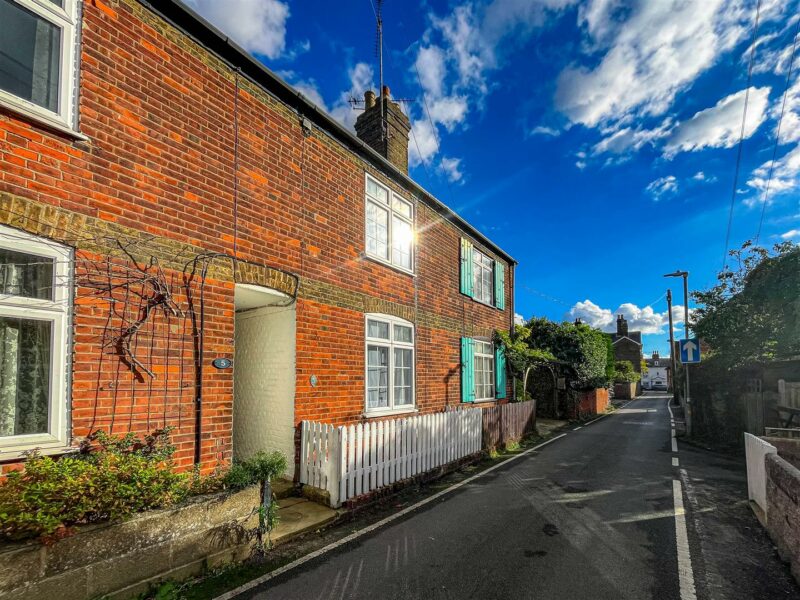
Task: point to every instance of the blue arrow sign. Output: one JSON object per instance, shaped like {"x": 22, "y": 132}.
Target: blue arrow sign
{"x": 690, "y": 351}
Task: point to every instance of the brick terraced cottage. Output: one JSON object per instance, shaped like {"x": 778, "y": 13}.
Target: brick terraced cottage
{"x": 187, "y": 241}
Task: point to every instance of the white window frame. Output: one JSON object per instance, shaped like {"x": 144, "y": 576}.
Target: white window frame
{"x": 389, "y": 208}
{"x": 477, "y": 268}
{"x": 57, "y": 311}
{"x": 67, "y": 20}
{"x": 390, "y": 344}
{"x": 476, "y": 343}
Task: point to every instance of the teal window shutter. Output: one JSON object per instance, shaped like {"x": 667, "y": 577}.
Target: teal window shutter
{"x": 500, "y": 372}
{"x": 467, "y": 370}
{"x": 466, "y": 267}
{"x": 499, "y": 285}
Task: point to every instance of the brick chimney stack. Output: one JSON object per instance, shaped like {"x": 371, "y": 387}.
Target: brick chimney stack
{"x": 622, "y": 325}
{"x": 655, "y": 355}
{"x": 394, "y": 145}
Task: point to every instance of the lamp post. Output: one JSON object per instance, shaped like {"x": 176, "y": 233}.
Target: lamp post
{"x": 685, "y": 275}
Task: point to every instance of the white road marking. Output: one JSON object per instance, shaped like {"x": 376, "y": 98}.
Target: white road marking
{"x": 685, "y": 573}
{"x": 576, "y": 429}
{"x": 370, "y": 528}
{"x": 675, "y": 461}
{"x": 674, "y": 445}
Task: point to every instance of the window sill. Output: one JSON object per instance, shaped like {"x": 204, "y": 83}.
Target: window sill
{"x": 372, "y": 414}
{"x": 386, "y": 263}
{"x": 20, "y": 453}
{"x": 40, "y": 120}
{"x": 482, "y": 303}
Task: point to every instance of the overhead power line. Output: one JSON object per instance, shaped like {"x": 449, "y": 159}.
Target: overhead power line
{"x": 741, "y": 137}
{"x": 778, "y": 132}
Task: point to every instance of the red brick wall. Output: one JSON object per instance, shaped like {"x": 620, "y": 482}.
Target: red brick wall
{"x": 164, "y": 122}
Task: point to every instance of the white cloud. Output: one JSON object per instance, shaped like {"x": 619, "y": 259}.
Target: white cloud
{"x": 451, "y": 168}
{"x": 258, "y": 26}
{"x": 431, "y": 68}
{"x": 661, "y": 186}
{"x": 791, "y": 234}
{"x": 547, "y": 131}
{"x": 790, "y": 125}
{"x": 448, "y": 111}
{"x": 361, "y": 79}
{"x": 654, "y": 50}
{"x": 457, "y": 52}
{"x": 423, "y": 144}
{"x": 721, "y": 125}
{"x": 785, "y": 176}
{"x": 643, "y": 319}
{"x": 626, "y": 139}
{"x": 309, "y": 89}
{"x": 519, "y": 319}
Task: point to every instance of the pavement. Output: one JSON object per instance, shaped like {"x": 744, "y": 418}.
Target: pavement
{"x": 608, "y": 511}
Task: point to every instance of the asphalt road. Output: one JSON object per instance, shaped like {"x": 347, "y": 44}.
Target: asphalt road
{"x": 590, "y": 515}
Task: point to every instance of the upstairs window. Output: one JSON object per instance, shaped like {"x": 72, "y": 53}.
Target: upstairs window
{"x": 482, "y": 278}
{"x": 34, "y": 314}
{"x": 390, "y": 365}
{"x": 37, "y": 58}
{"x": 389, "y": 227}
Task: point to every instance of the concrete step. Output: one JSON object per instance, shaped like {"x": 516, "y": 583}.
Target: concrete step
{"x": 282, "y": 488}
{"x": 298, "y": 515}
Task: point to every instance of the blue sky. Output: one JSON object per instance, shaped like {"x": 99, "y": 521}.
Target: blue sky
{"x": 594, "y": 141}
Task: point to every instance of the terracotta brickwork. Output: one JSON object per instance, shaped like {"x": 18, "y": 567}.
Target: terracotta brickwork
{"x": 185, "y": 163}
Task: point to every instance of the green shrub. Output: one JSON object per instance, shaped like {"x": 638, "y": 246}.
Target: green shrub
{"x": 111, "y": 478}
{"x": 624, "y": 372}
{"x": 50, "y": 496}
{"x": 259, "y": 467}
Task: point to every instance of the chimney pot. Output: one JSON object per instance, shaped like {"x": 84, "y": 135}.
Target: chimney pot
{"x": 369, "y": 99}
{"x": 385, "y": 92}
{"x": 384, "y": 127}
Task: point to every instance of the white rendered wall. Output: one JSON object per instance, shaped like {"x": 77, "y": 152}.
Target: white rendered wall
{"x": 264, "y": 381}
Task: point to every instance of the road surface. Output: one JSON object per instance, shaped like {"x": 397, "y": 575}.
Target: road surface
{"x": 596, "y": 514}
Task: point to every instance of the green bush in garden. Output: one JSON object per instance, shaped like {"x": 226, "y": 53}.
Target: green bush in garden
{"x": 110, "y": 478}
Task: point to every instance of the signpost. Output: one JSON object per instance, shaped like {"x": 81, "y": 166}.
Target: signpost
{"x": 690, "y": 351}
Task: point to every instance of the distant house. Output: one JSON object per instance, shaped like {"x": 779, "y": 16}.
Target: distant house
{"x": 628, "y": 346}
{"x": 658, "y": 373}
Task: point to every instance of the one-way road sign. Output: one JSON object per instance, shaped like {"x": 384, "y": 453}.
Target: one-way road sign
{"x": 690, "y": 351}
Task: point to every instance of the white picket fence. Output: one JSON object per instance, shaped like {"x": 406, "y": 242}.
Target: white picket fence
{"x": 349, "y": 461}
{"x": 756, "y": 451}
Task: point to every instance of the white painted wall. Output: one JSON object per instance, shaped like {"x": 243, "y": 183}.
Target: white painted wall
{"x": 654, "y": 374}
{"x": 264, "y": 381}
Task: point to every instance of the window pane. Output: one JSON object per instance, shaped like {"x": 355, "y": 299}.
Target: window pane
{"x": 377, "y": 329}
{"x": 402, "y": 333}
{"x": 377, "y": 231}
{"x": 401, "y": 207}
{"x": 376, "y": 191}
{"x": 30, "y": 50}
{"x": 24, "y": 376}
{"x": 26, "y": 275}
{"x": 403, "y": 369}
{"x": 377, "y": 377}
{"x": 402, "y": 238}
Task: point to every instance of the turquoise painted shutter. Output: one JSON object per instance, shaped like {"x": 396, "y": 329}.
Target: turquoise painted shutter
{"x": 500, "y": 372}
{"x": 499, "y": 285}
{"x": 467, "y": 370}
{"x": 466, "y": 267}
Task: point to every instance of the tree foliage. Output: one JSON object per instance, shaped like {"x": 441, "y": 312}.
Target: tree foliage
{"x": 521, "y": 358}
{"x": 625, "y": 373}
{"x": 581, "y": 350}
{"x": 752, "y": 314}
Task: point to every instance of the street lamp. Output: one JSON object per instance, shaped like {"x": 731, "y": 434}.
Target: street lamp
{"x": 685, "y": 275}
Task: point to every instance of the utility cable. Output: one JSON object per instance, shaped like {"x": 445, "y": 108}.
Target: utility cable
{"x": 741, "y": 137}
{"x": 778, "y": 133}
